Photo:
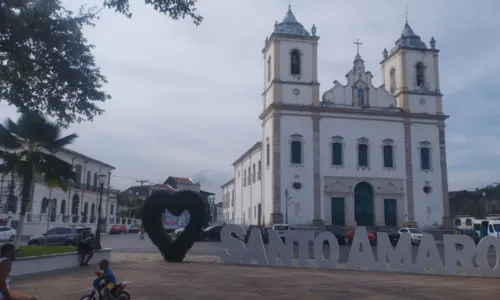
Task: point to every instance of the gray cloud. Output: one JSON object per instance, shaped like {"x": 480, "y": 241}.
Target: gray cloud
{"x": 186, "y": 99}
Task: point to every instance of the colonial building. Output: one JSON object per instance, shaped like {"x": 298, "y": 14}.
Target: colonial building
{"x": 228, "y": 201}
{"x": 53, "y": 206}
{"x": 358, "y": 155}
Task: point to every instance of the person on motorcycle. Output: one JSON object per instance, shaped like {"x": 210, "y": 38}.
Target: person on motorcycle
{"x": 8, "y": 255}
{"x": 108, "y": 277}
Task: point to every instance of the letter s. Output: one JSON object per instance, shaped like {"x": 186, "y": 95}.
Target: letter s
{"x": 235, "y": 248}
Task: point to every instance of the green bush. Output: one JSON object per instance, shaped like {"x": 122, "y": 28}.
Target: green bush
{"x": 25, "y": 251}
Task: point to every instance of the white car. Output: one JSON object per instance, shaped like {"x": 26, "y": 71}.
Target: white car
{"x": 178, "y": 231}
{"x": 281, "y": 229}
{"x": 415, "y": 234}
{"x": 7, "y": 233}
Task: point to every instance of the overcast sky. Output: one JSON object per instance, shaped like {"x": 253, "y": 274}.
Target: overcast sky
{"x": 186, "y": 99}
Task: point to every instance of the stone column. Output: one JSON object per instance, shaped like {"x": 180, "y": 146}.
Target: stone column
{"x": 349, "y": 209}
{"x": 444, "y": 177}
{"x": 317, "y": 221}
{"x": 276, "y": 215}
{"x": 409, "y": 173}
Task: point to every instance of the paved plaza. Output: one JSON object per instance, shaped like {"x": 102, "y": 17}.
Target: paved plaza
{"x": 153, "y": 279}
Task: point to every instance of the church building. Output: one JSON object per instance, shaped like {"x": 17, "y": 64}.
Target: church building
{"x": 355, "y": 155}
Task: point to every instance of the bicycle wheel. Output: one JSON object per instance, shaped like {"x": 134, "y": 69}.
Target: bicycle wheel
{"x": 88, "y": 297}
{"x": 123, "y": 296}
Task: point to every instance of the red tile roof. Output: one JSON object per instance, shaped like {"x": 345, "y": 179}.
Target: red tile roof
{"x": 166, "y": 187}
{"x": 183, "y": 180}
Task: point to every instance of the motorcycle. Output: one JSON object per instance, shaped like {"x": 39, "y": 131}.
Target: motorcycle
{"x": 117, "y": 293}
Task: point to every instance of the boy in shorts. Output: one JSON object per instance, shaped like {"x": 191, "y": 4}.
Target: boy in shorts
{"x": 107, "y": 276}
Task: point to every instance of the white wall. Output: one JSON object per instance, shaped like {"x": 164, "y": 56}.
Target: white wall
{"x": 300, "y": 210}
{"x": 228, "y": 194}
{"x": 432, "y": 202}
{"x": 351, "y": 130}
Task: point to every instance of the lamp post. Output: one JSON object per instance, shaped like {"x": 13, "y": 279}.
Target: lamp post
{"x": 287, "y": 200}
{"x": 102, "y": 179}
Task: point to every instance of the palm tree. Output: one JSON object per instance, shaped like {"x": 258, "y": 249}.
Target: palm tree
{"x": 30, "y": 147}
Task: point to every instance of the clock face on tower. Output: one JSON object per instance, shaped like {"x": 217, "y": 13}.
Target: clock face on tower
{"x": 296, "y": 91}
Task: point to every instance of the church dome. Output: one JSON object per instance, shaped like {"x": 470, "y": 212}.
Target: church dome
{"x": 409, "y": 40}
{"x": 290, "y": 25}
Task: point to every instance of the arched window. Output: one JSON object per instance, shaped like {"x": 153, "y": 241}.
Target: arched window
{"x": 269, "y": 68}
{"x": 388, "y": 156}
{"x": 88, "y": 180}
{"x": 458, "y": 222}
{"x": 361, "y": 97}
{"x": 363, "y": 152}
{"x": 295, "y": 62}
{"x": 45, "y": 205}
{"x": 78, "y": 171}
{"x": 337, "y": 151}
{"x": 268, "y": 154}
{"x": 468, "y": 222}
{"x": 253, "y": 173}
{"x": 296, "y": 149}
{"x": 420, "y": 71}
{"x": 425, "y": 156}
{"x": 95, "y": 182}
{"x": 393, "y": 80}
{"x": 63, "y": 207}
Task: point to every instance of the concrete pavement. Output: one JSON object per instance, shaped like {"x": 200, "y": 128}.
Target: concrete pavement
{"x": 151, "y": 278}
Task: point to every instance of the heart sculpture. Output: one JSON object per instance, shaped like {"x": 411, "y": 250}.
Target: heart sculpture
{"x": 153, "y": 209}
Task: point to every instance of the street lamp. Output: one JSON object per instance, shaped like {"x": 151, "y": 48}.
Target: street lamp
{"x": 102, "y": 179}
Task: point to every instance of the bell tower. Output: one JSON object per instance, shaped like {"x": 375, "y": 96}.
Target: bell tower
{"x": 410, "y": 71}
{"x": 291, "y": 64}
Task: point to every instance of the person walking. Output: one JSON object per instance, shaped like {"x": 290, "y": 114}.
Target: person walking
{"x": 141, "y": 232}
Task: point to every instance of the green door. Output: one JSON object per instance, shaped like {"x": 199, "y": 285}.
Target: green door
{"x": 338, "y": 211}
{"x": 363, "y": 204}
{"x": 390, "y": 212}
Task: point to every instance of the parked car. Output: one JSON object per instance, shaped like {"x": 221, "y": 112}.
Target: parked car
{"x": 391, "y": 232}
{"x": 263, "y": 231}
{"x": 338, "y": 232}
{"x": 371, "y": 235}
{"x": 211, "y": 233}
{"x": 178, "y": 231}
{"x": 416, "y": 234}
{"x": 60, "y": 236}
{"x": 118, "y": 229}
{"x": 134, "y": 228}
{"x": 7, "y": 233}
{"x": 282, "y": 229}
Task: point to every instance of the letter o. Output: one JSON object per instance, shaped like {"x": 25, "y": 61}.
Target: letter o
{"x": 482, "y": 256}
{"x": 320, "y": 239}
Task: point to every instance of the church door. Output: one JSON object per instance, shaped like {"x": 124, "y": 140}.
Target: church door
{"x": 363, "y": 204}
{"x": 338, "y": 211}
{"x": 390, "y": 212}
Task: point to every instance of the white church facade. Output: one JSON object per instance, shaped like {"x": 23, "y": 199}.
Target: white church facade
{"x": 358, "y": 154}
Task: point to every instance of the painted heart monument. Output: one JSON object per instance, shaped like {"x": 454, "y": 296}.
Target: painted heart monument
{"x": 152, "y": 211}
{"x": 458, "y": 249}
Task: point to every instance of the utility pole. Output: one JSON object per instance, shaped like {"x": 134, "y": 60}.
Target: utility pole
{"x": 142, "y": 182}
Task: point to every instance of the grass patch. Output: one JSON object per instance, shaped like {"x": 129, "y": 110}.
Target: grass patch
{"x": 25, "y": 251}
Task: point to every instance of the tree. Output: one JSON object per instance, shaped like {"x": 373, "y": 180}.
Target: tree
{"x": 175, "y": 9}
{"x": 31, "y": 145}
{"x": 46, "y": 64}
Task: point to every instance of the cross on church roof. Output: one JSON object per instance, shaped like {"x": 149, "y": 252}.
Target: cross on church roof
{"x": 357, "y": 43}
